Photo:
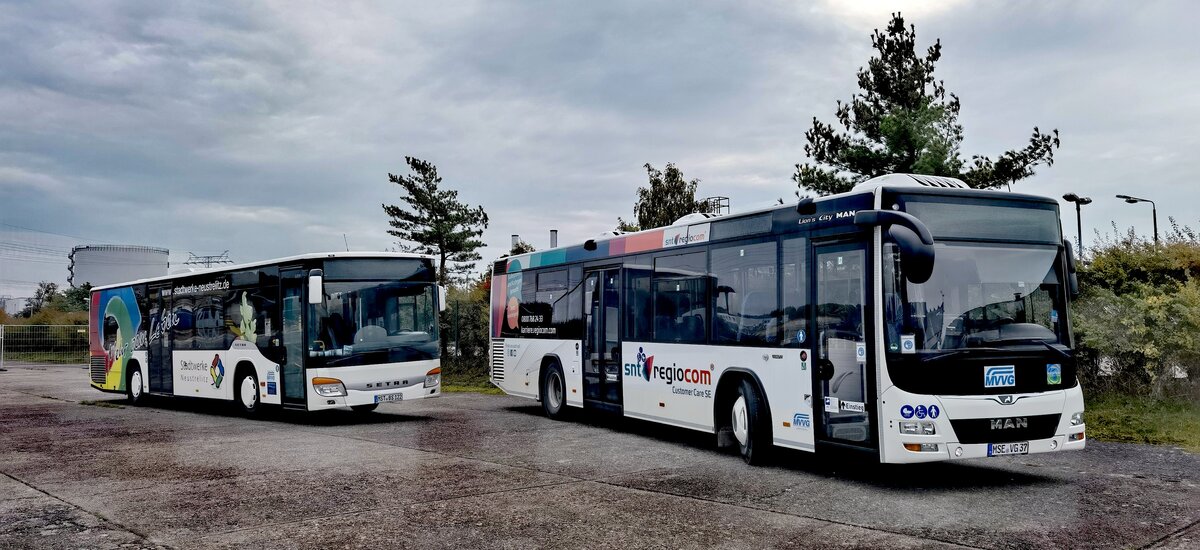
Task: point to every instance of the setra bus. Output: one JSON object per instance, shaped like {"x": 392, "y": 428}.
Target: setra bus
{"x": 912, "y": 318}
{"x": 309, "y": 332}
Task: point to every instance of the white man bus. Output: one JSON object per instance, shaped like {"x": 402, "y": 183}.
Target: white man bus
{"x": 912, "y": 318}
{"x": 310, "y": 332}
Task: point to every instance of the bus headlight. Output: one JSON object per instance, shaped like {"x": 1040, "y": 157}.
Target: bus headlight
{"x": 1077, "y": 418}
{"x": 433, "y": 377}
{"x": 329, "y": 387}
{"x": 918, "y": 428}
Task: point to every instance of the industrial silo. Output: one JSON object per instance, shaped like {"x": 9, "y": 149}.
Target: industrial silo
{"x": 105, "y": 264}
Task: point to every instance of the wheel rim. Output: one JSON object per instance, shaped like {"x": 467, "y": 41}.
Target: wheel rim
{"x": 135, "y": 384}
{"x": 741, "y": 428}
{"x": 554, "y": 393}
{"x": 249, "y": 392}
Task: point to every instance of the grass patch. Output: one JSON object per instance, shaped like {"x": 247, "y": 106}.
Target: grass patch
{"x": 57, "y": 358}
{"x": 1136, "y": 419}
{"x": 105, "y": 404}
{"x": 465, "y": 383}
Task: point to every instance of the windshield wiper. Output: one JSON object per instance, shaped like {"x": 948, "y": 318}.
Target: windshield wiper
{"x": 1055, "y": 349}
{"x": 953, "y": 352}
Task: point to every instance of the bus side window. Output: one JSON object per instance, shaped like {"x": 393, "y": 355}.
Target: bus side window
{"x": 744, "y": 280}
{"x": 681, "y": 298}
{"x": 793, "y": 273}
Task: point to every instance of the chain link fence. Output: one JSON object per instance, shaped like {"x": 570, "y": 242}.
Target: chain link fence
{"x": 62, "y": 344}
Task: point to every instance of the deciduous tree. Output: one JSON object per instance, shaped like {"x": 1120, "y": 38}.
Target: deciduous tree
{"x": 667, "y": 197}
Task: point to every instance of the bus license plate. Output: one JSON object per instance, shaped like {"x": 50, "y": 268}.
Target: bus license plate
{"x": 389, "y": 398}
{"x": 1001, "y": 449}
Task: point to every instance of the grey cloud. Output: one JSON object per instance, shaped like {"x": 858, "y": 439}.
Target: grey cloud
{"x": 154, "y": 114}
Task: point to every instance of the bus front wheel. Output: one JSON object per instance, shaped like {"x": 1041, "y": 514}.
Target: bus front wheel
{"x": 247, "y": 393}
{"x": 554, "y": 392}
{"x": 135, "y": 389}
{"x": 750, "y": 422}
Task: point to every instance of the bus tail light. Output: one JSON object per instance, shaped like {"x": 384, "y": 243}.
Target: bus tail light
{"x": 329, "y": 387}
{"x": 433, "y": 377}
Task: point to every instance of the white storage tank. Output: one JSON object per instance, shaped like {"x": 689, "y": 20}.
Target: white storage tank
{"x": 105, "y": 264}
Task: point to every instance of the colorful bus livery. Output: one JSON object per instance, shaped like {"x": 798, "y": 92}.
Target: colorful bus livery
{"x": 912, "y": 318}
{"x": 308, "y": 332}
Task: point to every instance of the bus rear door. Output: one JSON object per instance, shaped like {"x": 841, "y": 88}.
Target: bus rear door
{"x": 602, "y": 342}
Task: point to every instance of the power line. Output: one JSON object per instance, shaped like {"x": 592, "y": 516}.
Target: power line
{"x": 47, "y": 232}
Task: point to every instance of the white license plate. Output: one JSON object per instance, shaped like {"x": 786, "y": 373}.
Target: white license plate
{"x": 389, "y": 398}
{"x": 1001, "y": 449}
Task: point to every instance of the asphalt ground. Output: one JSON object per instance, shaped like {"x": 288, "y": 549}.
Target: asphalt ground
{"x": 80, "y": 469}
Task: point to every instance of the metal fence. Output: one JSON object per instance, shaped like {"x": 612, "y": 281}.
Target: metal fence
{"x": 67, "y": 344}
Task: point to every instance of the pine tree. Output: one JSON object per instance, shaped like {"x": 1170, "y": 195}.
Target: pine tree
{"x": 433, "y": 221}
{"x": 904, "y": 121}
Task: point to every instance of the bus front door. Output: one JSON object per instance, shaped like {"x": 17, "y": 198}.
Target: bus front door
{"x": 842, "y": 377}
{"x": 158, "y": 349}
{"x": 602, "y": 343}
{"x": 293, "y": 283}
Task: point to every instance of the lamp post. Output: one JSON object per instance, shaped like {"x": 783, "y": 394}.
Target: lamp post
{"x": 1153, "y": 210}
{"x": 1079, "y": 202}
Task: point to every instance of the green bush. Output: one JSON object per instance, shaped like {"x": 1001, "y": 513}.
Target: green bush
{"x": 1137, "y": 324}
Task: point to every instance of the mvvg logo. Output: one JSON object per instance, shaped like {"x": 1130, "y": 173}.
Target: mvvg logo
{"x": 801, "y": 420}
{"x": 999, "y": 377}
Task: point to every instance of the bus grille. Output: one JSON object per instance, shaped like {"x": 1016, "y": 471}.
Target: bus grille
{"x": 498, "y": 359}
{"x": 97, "y": 368}
{"x": 979, "y": 430}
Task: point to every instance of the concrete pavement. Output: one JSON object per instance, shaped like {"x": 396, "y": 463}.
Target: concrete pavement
{"x": 80, "y": 469}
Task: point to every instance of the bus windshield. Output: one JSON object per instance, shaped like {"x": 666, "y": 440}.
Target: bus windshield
{"x": 371, "y": 322}
{"x": 979, "y": 296}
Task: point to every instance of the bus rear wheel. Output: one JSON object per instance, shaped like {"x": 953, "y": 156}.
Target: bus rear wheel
{"x": 554, "y": 392}
{"x": 246, "y": 392}
{"x": 750, "y": 423}
{"x": 135, "y": 388}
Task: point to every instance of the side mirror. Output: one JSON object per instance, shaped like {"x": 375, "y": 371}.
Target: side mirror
{"x": 316, "y": 287}
{"x": 1072, "y": 271}
{"x": 916, "y": 257}
{"x": 443, "y": 295}
{"x": 913, "y": 238}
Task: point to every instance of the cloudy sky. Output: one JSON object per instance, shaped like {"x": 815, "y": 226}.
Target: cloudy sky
{"x": 269, "y": 129}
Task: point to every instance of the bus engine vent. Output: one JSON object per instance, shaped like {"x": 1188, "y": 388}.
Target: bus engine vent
{"x": 97, "y": 368}
{"x": 498, "y": 359}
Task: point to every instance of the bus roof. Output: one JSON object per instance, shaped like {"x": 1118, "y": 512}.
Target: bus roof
{"x": 905, "y": 182}
{"x": 238, "y": 267}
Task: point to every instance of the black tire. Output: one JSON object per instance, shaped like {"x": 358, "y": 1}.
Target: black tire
{"x": 241, "y": 394}
{"x": 751, "y": 424}
{"x": 554, "y": 392}
{"x": 365, "y": 408}
{"x": 135, "y": 395}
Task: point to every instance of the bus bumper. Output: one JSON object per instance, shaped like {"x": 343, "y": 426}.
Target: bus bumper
{"x": 373, "y": 384}
{"x": 979, "y": 426}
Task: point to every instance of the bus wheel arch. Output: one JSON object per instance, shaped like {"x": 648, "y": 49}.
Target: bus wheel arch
{"x": 740, "y": 384}
{"x": 133, "y": 375}
{"x": 248, "y": 401}
{"x": 552, "y": 386}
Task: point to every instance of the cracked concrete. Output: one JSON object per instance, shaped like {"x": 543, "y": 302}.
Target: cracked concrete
{"x": 80, "y": 469}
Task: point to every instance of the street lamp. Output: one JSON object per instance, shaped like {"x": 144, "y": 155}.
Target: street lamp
{"x": 1153, "y": 210}
{"x": 1079, "y": 202}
